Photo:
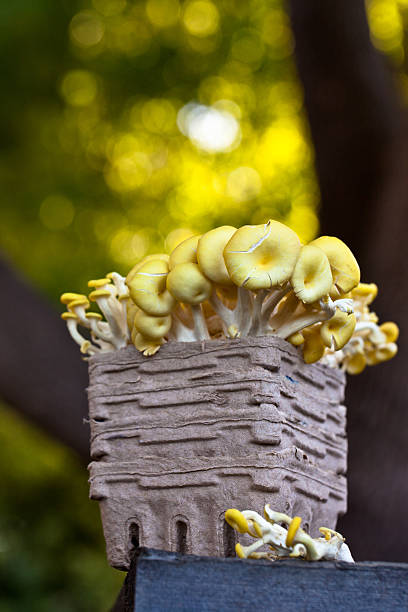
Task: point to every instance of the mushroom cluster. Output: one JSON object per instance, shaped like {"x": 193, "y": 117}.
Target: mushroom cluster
{"x": 284, "y": 537}
{"x": 257, "y": 280}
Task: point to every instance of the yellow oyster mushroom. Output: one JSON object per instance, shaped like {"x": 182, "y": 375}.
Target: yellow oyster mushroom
{"x": 261, "y": 256}
{"x": 99, "y": 282}
{"x": 145, "y": 345}
{"x": 337, "y": 331}
{"x": 131, "y": 311}
{"x": 82, "y": 301}
{"x": 94, "y": 315}
{"x": 292, "y": 530}
{"x": 386, "y": 352}
{"x": 356, "y": 363}
{"x": 99, "y": 293}
{"x": 185, "y": 252}
{"x": 187, "y": 284}
{"x": 236, "y": 520}
{"x": 142, "y": 262}
{"x": 313, "y": 347}
{"x": 344, "y": 266}
{"x": 366, "y": 292}
{"x": 150, "y": 327}
{"x": 296, "y": 339}
{"x": 390, "y": 330}
{"x": 312, "y": 278}
{"x": 147, "y": 288}
{"x": 210, "y": 250}
{"x": 68, "y": 297}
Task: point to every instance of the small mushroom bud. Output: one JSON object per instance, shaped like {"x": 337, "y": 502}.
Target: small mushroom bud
{"x": 188, "y": 284}
{"x": 153, "y": 328}
{"x": 145, "y": 345}
{"x": 312, "y": 277}
{"x": 261, "y": 256}
{"x": 296, "y": 339}
{"x": 365, "y": 292}
{"x": 147, "y": 288}
{"x": 337, "y": 331}
{"x": 390, "y": 331}
{"x": 185, "y": 252}
{"x": 356, "y": 363}
{"x": 313, "y": 347}
{"x": 210, "y": 254}
{"x": 344, "y": 267}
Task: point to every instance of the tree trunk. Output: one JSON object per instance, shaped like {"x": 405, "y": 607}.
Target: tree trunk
{"x": 41, "y": 373}
{"x": 358, "y": 129}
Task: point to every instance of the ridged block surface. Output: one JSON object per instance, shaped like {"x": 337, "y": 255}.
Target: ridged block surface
{"x": 203, "y": 426}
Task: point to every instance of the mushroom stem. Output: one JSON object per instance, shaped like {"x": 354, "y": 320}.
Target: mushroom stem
{"x": 72, "y": 325}
{"x": 118, "y": 338}
{"x": 256, "y": 318}
{"x": 374, "y": 332}
{"x": 273, "y": 300}
{"x": 243, "y": 310}
{"x": 200, "y": 327}
{"x": 226, "y": 315}
{"x": 100, "y": 333}
{"x": 181, "y": 332}
{"x": 301, "y": 321}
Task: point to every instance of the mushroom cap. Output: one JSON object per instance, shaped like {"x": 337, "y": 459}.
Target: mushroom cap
{"x": 99, "y": 293}
{"x": 83, "y": 301}
{"x": 99, "y": 282}
{"x": 66, "y": 298}
{"x": 390, "y": 330}
{"x": 176, "y": 237}
{"x": 356, "y": 363}
{"x": 185, "y": 252}
{"x": 210, "y": 254}
{"x": 338, "y": 330}
{"x": 145, "y": 345}
{"x": 344, "y": 267}
{"x": 188, "y": 284}
{"x": 261, "y": 256}
{"x": 296, "y": 339}
{"x": 313, "y": 347}
{"x": 386, "y": 352}
{"x": 150, "y": 327}
{"x": 94, "y": 315}
{"x": 136, "y": 267}
{"x": 131, "y": 312}
{"x": 312, "y": 278}
{"x": 365, "y": 291}
{"x": 68, "y": 315}
{"x": 147, "y": 288}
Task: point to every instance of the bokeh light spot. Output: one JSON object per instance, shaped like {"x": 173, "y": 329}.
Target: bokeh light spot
{"x": 209, "y": 128}
{"x": 247, "y": 47}
{"x": 79, "y": 87}
{"x": 56, "y": 212}
{"x": 128, "y": 247}
{"x": 201, "y": 18}
{"x": 108, "y": 8}
{"x": 86, "y": 29}
{"x": 159, "y": 115}
{"x": 163, "y": 13}
{"x": 244, "y": 184}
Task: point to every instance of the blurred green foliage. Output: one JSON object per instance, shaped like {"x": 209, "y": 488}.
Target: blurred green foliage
{"x": 121, "y": 120}
{"x": 52, "y": 553}
{"x": 95, "y": 166}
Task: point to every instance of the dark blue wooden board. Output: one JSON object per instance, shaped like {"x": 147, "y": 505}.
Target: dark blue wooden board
{"x": 161, "y": 581}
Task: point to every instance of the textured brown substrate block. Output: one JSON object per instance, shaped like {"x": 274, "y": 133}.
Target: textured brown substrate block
{"x": 200, "y": 427}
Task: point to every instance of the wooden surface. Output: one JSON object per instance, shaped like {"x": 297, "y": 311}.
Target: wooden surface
{"x": 161, "y": 581}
